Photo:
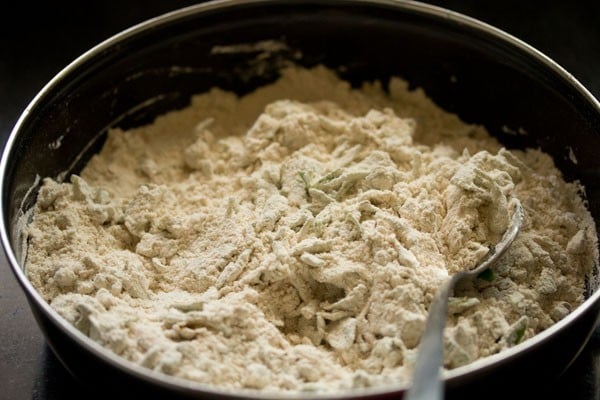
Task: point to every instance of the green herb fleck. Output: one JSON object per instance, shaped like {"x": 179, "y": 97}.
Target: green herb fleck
{"x": 329, "y": 177}
{"x": 519, "y": 333}
{"x": 305, "y": 180}
{"x": 487, "y": 275}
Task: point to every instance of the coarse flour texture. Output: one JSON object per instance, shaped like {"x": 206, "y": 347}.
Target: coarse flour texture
{"x": 292, "y": 239}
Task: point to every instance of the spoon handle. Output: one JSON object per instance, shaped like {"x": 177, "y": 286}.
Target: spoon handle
{"x": 427, "y": 384}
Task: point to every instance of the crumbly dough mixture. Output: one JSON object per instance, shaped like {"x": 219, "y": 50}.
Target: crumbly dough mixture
{"x": 292, "y": 239}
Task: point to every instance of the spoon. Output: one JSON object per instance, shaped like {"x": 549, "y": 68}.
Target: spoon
{"x": 427, "y": 383}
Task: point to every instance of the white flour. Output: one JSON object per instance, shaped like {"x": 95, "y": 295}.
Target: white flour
{"x": 292, "y": 239}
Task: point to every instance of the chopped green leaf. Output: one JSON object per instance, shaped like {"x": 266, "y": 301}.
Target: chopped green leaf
{"x": 519, "y": 333}
{"x": 305, "y": 180}
{"x": 329, "y": 177}
{"x": 516, "y": 332}
{"x": 487, "y": 275}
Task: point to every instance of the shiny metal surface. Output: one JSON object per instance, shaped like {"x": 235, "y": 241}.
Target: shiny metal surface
{"x": 118, "y": 363}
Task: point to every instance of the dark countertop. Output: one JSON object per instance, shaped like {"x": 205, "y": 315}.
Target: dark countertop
{"x": 36, "y": 41}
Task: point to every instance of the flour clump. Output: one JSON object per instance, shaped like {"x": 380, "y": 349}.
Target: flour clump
{"x": 293, "y": 238}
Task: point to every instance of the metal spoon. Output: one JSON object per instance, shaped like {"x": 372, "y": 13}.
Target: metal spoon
{"x": 427, "y": 383}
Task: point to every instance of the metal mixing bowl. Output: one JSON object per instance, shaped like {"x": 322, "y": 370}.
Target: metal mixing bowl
{"x": 482, "y": 74}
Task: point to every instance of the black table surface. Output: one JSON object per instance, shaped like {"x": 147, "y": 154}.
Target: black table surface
{"x": 38, "y": 40}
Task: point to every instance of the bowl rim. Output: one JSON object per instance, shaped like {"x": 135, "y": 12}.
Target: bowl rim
{"x": 191, "y": 387}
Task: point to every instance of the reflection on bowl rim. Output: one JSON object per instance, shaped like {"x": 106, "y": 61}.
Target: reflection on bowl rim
{"x": 169, "y": 381}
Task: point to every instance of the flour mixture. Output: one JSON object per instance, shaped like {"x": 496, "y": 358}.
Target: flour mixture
{"x": 292, "y": 239}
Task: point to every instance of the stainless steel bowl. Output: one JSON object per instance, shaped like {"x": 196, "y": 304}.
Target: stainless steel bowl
{"x": 484, "y": 75}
